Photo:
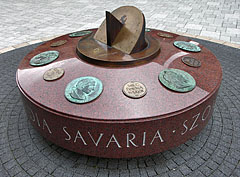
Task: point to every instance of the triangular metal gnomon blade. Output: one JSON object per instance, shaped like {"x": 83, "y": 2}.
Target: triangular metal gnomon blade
{"x": 113, "y": 26}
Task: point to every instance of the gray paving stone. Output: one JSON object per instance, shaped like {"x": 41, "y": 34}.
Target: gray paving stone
{"x": 134, "y": 172}
{"x": 55, "y": 18}
{"x": 175, "y": 173}
{"x": 124, "y": 173}
{"x": 91, "y": 171}
{"x": 113, "y": 163}
{"x": 104, "y": 172}
{"x": 161, "y": 169}
{"x": 58, "y": 172}
{"x": 185, "y": 170}
{"x": 151, "y": 171}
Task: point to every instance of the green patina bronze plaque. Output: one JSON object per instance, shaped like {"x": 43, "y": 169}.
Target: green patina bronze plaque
{"x": 44, "y": 58}
{"x": 187, "y": 46}
{"x": 147, "y": 29}
{"x": 190, "y": 61}
{"x": 83, "y": 89}
{"x": 79, "y": 33}
{"x": 164, "y": 35}
{"x": 58, "y": 43}
{"x": 177, "y": 80}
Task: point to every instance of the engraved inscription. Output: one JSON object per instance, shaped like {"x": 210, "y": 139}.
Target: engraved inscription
{"x": 134, "y": 89}
{"x": 132, "y": 140}
{"x": 196, "y": 119}
{"x": 40, "y": 123}
{"x": 112, "y": 140}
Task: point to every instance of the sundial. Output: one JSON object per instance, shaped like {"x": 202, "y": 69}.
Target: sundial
{"x": 121, "y": 39}
{"x": 121, "y": 90}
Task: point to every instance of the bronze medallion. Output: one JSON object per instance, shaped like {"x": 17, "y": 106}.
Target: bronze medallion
{"x": 190, "y": 61}
{"x": 177, "y": 80}
{"x": 147, "y": 29}
{"x": 53, "y": 74}
{"x": 164, "y": 35}
{"x": 58, "y": 43}
{"x": 83, "y": 89}
{"x": 134, "y": 89}
{"x": 80, "y": 33}
{"x": 187, "y": 46}
{"x": 44, "y": 58}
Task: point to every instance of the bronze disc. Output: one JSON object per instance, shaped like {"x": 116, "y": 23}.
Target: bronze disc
{"x": 134, "y": 89}
{"x": 190, "y": 61}
{"x": 58, "y": 43}
{"x": 53, "y": 74}
{"x": 164, "y": 35}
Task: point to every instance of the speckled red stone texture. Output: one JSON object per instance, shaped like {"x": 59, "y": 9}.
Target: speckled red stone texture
{"x": 113, "y": 125}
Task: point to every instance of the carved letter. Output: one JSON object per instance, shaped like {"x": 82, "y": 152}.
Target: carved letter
{"x": 193, "y": 125}
{"x": 130, "y": 140}
{"x": 69, "y": 137}
{"x": 209, "y": 109}
{"x": 37, "y": 120}
{"x": 99, "y": 138}
{"x": 185, "y": 126}
{"x": 33, "y": 116}
{"x": 144, "y": 138}
{"x": 157, "y": 135}
{"x": 78, "y": 135}
{"x": 115, "y": 141}
{"x": 45, "y": 124}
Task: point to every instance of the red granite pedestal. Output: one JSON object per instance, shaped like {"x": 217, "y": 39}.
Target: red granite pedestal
{"x": 113, "y": 125}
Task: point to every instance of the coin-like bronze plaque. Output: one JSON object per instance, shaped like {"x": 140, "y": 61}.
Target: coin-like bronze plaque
{"x": 53, "y": 74}
{"x": 177, "y": 80}
{"x": 58, "y": 43}
{"x": 147, "y": 29}
{"x": 164, "y": 35}
{"x": 187, "y": 46}
{"x": 80, "y": 33}
{"x": 134, "y": 89}
{"x": 44, "y": 58}
{"x": 83, "y": 89}
{"x": 190, "y": 61}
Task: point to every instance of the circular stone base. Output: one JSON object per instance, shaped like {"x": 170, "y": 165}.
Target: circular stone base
{"x": 114, "y": 125}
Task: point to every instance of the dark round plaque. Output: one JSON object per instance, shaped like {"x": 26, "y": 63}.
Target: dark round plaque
{"x": 177, "y": 80}
{"x": 190, "y": 61}
{"x": 44, "y": 58}
{"x": 187, "y": 46}
{"x": 83, "y": 89}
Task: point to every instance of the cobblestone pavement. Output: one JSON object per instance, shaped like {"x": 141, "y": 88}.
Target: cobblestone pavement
{"x": 215, "y": 152}
{"x": 28, "y": 20}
